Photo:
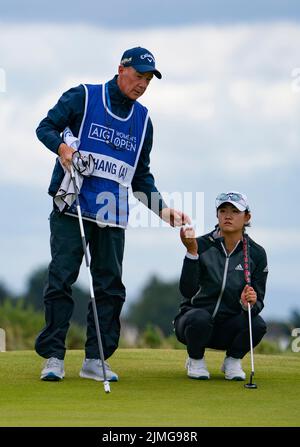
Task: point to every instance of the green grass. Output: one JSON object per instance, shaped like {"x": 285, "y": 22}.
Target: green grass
{"x": 153, "y": 391}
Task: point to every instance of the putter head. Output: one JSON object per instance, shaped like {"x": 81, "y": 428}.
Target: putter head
{"x": 106, "y": 387}
{"x": 250, "y": 385}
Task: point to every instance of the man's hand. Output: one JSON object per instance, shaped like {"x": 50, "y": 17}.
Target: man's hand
{"x": 188, "y": 238}
{"x": 174, "y": 218}
{"x": 66, "y": 153}
{"x": 248, "y": 296}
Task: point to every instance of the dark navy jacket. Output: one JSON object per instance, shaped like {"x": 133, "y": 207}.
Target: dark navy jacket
{"x": 69, "y": 111}
{"x": 216, "y": 280}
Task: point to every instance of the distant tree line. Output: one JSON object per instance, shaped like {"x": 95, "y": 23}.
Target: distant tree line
{"x": 157, "y": 303}
{"x": 32, "y": 297}
{"x": 151, "y": 313}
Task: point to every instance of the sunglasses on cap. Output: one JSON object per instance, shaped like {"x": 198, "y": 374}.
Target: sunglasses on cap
{"x": 233, "y": 197}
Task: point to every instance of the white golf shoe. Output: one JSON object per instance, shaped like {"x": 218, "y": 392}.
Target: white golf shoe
{"x": 196, "y": 369}
{"x": 92, "y": 369}
{"x": 53, "y": 370}
{"x": 233, "y": 369}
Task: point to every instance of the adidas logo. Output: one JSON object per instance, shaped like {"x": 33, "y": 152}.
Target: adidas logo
{"x": 239, "y": 267}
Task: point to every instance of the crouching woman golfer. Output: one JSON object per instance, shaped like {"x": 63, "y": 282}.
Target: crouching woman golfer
{"x": 213, "y": 312}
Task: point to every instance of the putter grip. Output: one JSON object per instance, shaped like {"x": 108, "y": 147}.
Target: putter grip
{"x": 247, "y": 273}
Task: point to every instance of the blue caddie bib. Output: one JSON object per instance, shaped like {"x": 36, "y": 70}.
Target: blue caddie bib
{"x": 115, "y": 143}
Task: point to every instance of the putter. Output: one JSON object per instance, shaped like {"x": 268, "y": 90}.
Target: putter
{"x": 92, "y": 294}
{"x": 251, "y": 384}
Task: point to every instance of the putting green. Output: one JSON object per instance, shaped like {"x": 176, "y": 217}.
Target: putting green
{"x": 153, "y": 391}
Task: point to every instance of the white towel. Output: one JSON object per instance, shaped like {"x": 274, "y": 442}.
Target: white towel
{"x": 84, "y": 167}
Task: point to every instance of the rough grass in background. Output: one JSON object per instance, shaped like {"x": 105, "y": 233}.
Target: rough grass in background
{"x": 152, "y": 337}
{"x": 22, "y": 324}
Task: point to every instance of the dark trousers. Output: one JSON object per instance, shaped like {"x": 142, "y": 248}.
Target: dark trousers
{"x": 198, "y": 330}
{"x": 106, "y": 247}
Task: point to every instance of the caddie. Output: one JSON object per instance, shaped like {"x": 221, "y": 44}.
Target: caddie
{"x": 116, "y": 129}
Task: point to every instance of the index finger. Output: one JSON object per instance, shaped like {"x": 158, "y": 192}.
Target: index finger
{"x": 186, "y": 219}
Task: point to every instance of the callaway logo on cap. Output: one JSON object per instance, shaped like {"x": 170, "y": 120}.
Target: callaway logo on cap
{"x": 141, "y": 60}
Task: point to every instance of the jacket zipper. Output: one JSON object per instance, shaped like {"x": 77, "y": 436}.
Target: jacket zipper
{"x": 224, "y": 278}
{"x": 196, "y": 294}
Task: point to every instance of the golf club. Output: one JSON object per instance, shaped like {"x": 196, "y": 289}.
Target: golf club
{"x": 247, "y": 273}
{"x": 92, "y": 294}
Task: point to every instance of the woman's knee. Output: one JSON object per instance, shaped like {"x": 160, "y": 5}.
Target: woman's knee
{"x": 198, "y": 318}
{"x": 194, "y": 323}
{"x": 259, "y": 326}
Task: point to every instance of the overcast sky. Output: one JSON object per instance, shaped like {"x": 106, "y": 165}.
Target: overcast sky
{"x": 225, "y": 116}
{"x": 136, "y": 13}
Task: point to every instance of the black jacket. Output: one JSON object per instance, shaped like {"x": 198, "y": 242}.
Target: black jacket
{"x": 69, "y": 111}
{"x": 216, "y": 280}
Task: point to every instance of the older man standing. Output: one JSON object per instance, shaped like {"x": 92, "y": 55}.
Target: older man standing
{"x": 116, "y": 129}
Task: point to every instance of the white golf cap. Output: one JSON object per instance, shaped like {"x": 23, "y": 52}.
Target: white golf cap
{"x": 237, "y": 199}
